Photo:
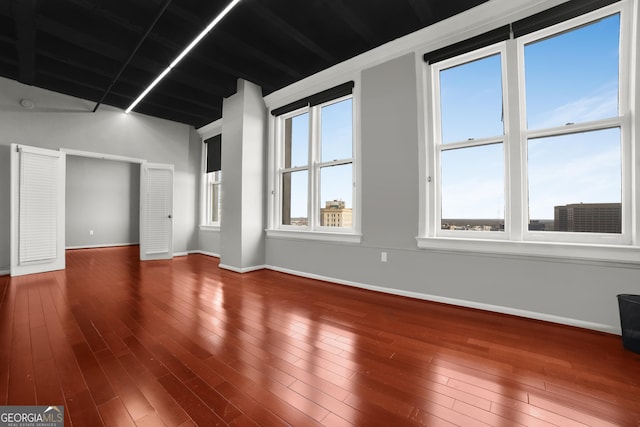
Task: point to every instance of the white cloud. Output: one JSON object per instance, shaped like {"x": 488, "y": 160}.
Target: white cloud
{"x": 602, "y": 103}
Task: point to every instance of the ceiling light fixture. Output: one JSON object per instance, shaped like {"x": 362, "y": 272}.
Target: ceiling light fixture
{"x": 179, "y": 58}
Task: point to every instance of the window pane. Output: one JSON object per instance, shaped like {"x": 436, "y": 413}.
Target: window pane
{"x": 215, "y": 203}
{"x": 337, "y": 131}
{"x": 473, "y": 188}
{"x": 471, "y": 100}
{"x": 296, "y": 141}
{"x": 294, "y": 198}
{"x": 336, "y": 193}
{"x": 573, "y": 77}
{"x": 213, "y": 197}
{"x": 575, "y": 182}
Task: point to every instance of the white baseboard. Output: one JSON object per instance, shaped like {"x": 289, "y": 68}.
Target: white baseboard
{"x": 205, "y": 253}
{"x": 175, "y": 254}
{"x": 242, "y": 270}
{"x": 5, "y": 272}
{"x": 110, "y": 245}
{"x": 462, "y": 303}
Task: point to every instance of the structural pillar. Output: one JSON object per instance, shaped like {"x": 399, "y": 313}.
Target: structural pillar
{"x": 244, "y": 141}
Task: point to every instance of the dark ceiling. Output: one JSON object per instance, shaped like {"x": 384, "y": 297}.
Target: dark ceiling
{"x": 79, "y": 47}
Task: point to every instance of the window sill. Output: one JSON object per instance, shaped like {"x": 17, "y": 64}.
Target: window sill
{"x": 209, "y": 227}
{"x": 562, "y": 251}
{"x": 315, "y": 235}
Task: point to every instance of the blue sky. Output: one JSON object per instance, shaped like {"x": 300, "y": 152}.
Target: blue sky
{"x": 571, "y": 78}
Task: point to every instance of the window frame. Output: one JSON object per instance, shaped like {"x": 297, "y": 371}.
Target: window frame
{"x": 621, "y": 121}
{"x": 213, "y": 179}
{"x": 313, "y": 230}
{"x": 207, "y": 180}
{"x": 440, "y": 146}
{"x": 516, "y": 238}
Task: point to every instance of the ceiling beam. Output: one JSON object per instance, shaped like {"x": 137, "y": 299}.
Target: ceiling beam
{"x": 353, "y": 20}
{"x": 236, "y": 44}
{"x": 103, "y": 48}
{"x": 279, "y": 24}
{"x": 24, "y": 16}
{"x": 423, "y": 10}
{"x": 65, "y": 82}
{"x": 195, "y": 22}
{"x": 175, "y": 91}
{"x": 133, "y": 52}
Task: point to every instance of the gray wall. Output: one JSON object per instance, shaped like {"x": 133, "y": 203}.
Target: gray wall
{"x": 60, "y": 121}
{"x": 578, "y": 293}
{"x": 209, "y": 242}
{"x": 389, "y": 158}
{"x": 102, "y": 196}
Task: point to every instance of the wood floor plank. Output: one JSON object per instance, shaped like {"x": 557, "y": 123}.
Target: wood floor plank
{"x": 125, "y": 388}
{"x": 6, "y": 335}
{"x": 98, "y": 384}
{"x": 184, "y": 343}
{"x": 214, "y": 400}
{"x": 168, "y": 409}
{"x": 114, "y": 414}
{"x": 199, "y": 412}
{"x": 21, "y": 387}
{"x": 83, "y": 410}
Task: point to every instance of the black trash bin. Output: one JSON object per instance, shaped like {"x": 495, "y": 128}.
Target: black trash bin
{"x": 630, "y": 321}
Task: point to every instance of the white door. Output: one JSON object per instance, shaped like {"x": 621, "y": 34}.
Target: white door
{"x": 156, "y": 211}
{"x": 37, "y": 210}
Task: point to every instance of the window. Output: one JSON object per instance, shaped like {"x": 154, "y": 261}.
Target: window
{"x": 529, "y": 137}
{"x": 213, "y": 198}
{"x": 314, "y": 169}
{"x": 471, "y": 152}
{"x": 212, "y": 181}
{"x": 574, "y": 128}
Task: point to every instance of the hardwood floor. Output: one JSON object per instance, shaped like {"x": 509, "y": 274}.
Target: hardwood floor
{"x": 181, "y": 343}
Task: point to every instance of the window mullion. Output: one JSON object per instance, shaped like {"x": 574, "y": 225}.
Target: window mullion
{"x": 296, "y": 169}
{"x": 314, "y": 170}
{"x": 516, "y": 218}
{"x": 570, "y": 128}
{"x": 472, "y": 143}
{"x": 335, "y": 163}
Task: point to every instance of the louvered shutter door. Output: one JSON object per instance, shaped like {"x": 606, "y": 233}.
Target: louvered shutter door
{"x": 38, "y": 207}
{"x": 158, "y": 210}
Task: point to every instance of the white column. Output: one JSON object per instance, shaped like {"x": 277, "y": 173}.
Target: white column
{"x": 243, "y": 179}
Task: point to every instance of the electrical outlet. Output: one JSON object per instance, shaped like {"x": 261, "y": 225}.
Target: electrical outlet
{"x": 90, "y": 232}
{"x": 383, "y": 256}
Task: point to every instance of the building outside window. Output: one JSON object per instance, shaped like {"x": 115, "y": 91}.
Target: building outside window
{"x": 533, "y": 130}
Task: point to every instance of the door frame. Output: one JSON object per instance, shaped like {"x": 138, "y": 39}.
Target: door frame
{"x": 112, "y": 157}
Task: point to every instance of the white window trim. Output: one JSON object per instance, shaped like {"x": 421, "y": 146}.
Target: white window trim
{"x": 311, "y": 232}
{"x": 209, "y": 181}
{"x": 497, "y": 49}
{"x": 622, "y": 121}
{"x": 206, "y": 132}
{"x": 517, "y": 240}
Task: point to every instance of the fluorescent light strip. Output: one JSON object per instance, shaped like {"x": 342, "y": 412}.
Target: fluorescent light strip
{"x": 184, "y": 53}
